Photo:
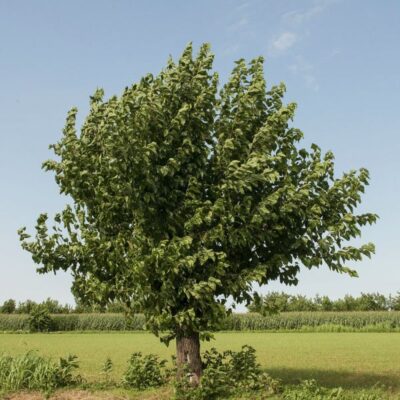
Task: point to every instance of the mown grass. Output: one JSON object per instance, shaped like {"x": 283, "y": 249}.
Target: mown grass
{"x": 350, "y": 360}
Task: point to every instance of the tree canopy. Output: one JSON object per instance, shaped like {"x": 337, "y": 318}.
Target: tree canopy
{"x": 185, "y": 193}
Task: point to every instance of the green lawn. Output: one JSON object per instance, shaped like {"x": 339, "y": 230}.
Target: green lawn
{"x": 351, "y": 360}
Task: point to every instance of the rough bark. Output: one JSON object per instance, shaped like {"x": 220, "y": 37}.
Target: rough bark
{"x": 188, "y": 356}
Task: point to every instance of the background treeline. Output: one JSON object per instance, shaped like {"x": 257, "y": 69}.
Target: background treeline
{"x": 54, "y": 307}
{"x": 275, "y": 302}
{"x": 325, "y": 321}
{"x": 270, "y": 303}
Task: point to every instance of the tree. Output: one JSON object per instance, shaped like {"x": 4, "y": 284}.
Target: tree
{"x": 8, "y": 307}
{"x": 394, "y": 302}
{"x": 325, "y": 303}
{"x": 184, "y": 194}
{"x": 270, "y": 303}
{"x": 372, "y": 302}
{"x": 26, "y": 307}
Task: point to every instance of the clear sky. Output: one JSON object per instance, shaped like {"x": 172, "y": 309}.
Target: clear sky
{"x": 339, "y": 59}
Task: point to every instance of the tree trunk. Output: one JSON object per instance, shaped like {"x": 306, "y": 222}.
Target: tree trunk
{"x": 188, "y": 356}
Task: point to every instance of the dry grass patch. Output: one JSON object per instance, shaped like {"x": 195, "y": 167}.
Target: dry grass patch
{"x": 160, "y": 394}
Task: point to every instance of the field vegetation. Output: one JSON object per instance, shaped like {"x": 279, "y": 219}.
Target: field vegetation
{"x": 362, "y": 321}
{"x": 356, "y": 362}
{"x": 271, "y": 302}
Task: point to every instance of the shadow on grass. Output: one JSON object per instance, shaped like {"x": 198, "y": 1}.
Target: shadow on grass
{"x": 334, "y": 378}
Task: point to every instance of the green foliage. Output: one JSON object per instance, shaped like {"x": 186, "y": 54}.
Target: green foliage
{"x": 116, "y": 307}
{"x": 270, "y": 303}
{"x": 275, "y": 302}
{"x": 98, "y": 322}
{"x": 8, "y": 307}
{"x": 107, "y": 369}
{"x": 77, "y": 322}
{"x": 112, "y": 307}
{"x": 53, "y": 306}
{"x": 40, "y": 320}
{"x": 32, "y": 372}
{"x": 145, "y": 372}
{"x": 373, "y": 321}
{"x": 10, "y": 322}
{"x": 309, "y": 390}
{"x": 94, "y": 322}
{"x": 395, "y": 302}
{"x": 184, "y": 194}
{"x": 107, "y": 366}
{"x": 228, "y": 373}
{"x": 26, "y": 307}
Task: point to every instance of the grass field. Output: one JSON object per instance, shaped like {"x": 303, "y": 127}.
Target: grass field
{"x": 350, "y": 360}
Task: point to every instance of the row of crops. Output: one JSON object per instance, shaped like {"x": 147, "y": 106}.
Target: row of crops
{"x": 370, "y": 321}
{"x": 316, "y": 321}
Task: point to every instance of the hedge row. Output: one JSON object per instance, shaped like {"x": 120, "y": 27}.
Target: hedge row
{"x": 306, "y": 321}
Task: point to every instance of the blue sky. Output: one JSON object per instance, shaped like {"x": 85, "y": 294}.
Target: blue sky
{"x": 339, "y": 59}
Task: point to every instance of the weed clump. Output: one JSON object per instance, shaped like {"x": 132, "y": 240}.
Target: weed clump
{"x": 310, "y": 390}
{"x": 145, "y": 372}
{"x": 226, "y": 374}
{"x": 30, "y": 371}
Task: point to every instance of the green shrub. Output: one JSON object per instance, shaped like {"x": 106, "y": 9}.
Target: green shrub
{"x": 225, "y": 374}
{"x": 309, "y": 390}
{"x": 40, "y": 320}
{"x": 8, "y": 307}
{"x": 32, "y": 372}
{"x": 144, "y": 372}
{"x": 107, "y": 369}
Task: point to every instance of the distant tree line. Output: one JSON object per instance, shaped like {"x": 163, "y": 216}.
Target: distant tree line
{"x": 275, "y": 302}
{"x": 55, "y": 307}
{"x": 270, "y": 303}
